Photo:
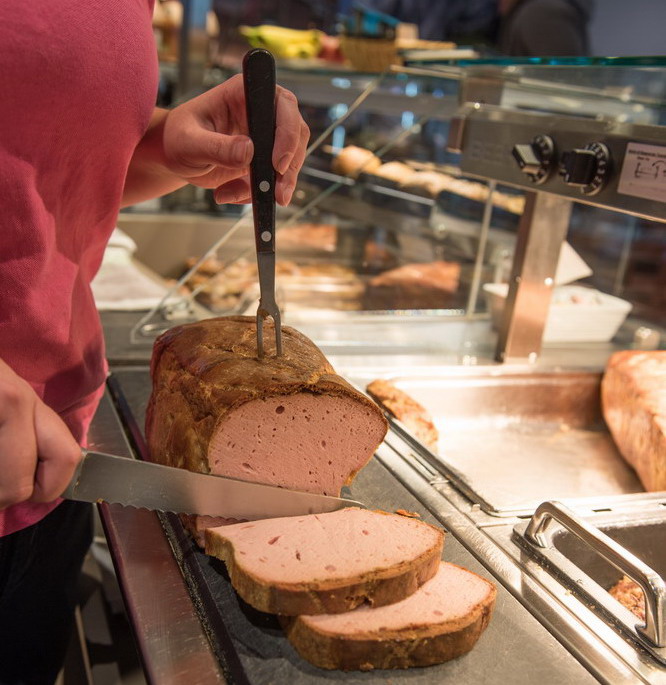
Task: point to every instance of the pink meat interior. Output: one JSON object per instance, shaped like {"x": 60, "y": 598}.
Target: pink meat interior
{"x": 340, "y": 544}
{"x": 304, "y": 441}
{"x": 448, "y": 596}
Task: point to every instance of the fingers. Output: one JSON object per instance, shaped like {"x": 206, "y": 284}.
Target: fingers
{"x": 288, "y": 130}
{"x": 237, "y": 191}
{"x": 58, "y": 453}
{"x": 285, "y": 186}
{"x": 18, "y": 451}
{"x": 216, "y": 149}
{"x": 196, "y": 150}
{"x": 38, "y": 454}
{"x": 291, "y": 140}
{"x": 234, "y": 192}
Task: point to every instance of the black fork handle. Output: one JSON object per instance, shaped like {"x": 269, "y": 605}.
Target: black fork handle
{"x": 259, "y": 83}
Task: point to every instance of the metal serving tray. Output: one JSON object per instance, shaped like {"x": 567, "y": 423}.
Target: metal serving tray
{"x": 589, "y": 556}
{"x": 511, "y": 440}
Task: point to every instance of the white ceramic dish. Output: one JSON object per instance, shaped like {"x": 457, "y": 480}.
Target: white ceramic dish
{"x": 577, "y": 314}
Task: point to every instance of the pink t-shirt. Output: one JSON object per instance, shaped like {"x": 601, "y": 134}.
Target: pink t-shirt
{"x": 78, "y": 80}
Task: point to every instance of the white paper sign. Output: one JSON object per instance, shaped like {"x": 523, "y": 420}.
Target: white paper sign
{"x": 570, "y": 266}
{"x": 644, "y": 172}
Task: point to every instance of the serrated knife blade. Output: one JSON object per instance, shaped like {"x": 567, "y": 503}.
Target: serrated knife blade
{"x": 142, "y": 484}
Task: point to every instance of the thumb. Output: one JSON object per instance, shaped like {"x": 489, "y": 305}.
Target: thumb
{"x": 203, "y": 148}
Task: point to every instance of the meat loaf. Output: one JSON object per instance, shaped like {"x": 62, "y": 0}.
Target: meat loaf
{"x": 406, "y": 409}
{"x": 287, "y": 421}
{"x": 327, "y": 563}
{"x": 633, "y": 393}
{"x": 442, "y": 620}
{"x": 414, "y": 286}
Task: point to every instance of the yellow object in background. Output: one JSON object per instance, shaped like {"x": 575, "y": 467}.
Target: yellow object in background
{"x": 283, "y": 42}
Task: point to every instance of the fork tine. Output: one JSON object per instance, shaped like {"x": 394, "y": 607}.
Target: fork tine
{"x": 263, "y": 313}
{"x": 260, "y": 336}
{"x": 278, "y": 333}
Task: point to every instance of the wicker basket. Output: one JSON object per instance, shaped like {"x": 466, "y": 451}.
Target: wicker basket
{"x": 369, "y": 54}
{"x": 378, "y": 54}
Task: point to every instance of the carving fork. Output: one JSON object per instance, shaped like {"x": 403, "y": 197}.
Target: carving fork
{"x": 259, "y": 82}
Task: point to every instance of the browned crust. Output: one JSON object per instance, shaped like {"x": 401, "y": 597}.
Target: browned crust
{"x": 196, "y": 525}
{"x": 633, "y": 407}
{"x": 414, "y": 646}
{"x": 377, "y": 588}
{"x": 202, "y": 371}
{"x": 406, "y": 409}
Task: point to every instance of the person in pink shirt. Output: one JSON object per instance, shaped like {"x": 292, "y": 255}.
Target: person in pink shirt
{"x": 79, "y": 139}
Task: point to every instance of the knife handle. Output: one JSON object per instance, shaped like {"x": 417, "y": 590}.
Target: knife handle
{"x": 259, "y": 83}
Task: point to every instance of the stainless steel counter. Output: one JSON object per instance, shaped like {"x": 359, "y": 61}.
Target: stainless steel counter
{"x": 516, "y": 648}
{"x": 172, "y": 644}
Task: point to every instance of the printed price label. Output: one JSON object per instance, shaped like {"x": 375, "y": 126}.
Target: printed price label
{"x": 644, "y": 172}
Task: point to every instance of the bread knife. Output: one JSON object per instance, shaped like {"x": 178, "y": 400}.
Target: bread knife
{"x": 143, "y": 484}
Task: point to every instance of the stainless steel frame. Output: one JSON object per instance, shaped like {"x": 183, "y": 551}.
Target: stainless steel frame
{"x": 543, "y": 227}
{"x": 485, "y": 134}
{"x": 447, "y": 492}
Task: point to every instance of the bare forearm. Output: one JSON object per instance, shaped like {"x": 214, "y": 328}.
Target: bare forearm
{"x": 148, "y": 176}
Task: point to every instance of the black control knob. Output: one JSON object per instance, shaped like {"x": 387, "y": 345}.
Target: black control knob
{"x": 586, "y": 168}
{"x": 535, "y": 159}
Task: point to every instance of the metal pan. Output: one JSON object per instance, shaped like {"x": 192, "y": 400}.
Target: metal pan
{"x": 511, "y": 440}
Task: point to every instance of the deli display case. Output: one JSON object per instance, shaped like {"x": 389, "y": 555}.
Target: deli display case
{"x": 515, "y": 243}
{"x": 419, "y": 234}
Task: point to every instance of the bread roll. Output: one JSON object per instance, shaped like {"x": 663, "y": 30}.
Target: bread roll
{"x": 352, "y": 160}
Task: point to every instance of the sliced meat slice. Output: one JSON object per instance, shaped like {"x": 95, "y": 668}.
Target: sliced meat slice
{"x": 327, "y": 563}
{"x": 406, "y": 409}
{"x": 442, "y": 620}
